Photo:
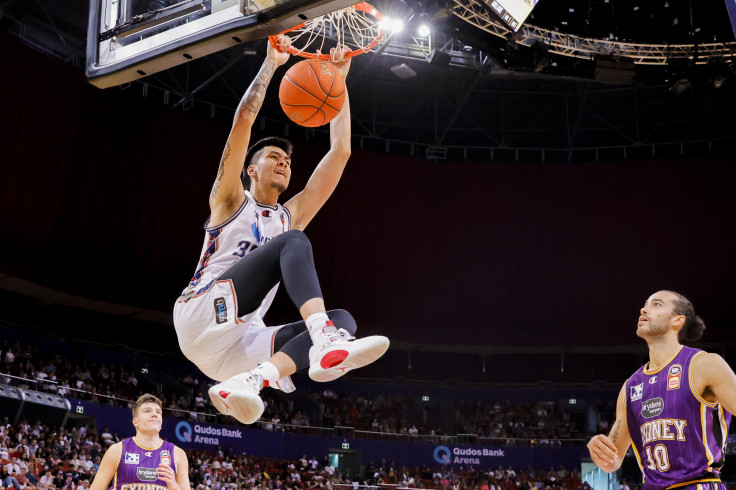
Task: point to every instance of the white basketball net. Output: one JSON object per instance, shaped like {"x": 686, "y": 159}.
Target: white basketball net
{"x": 354, "y": 28}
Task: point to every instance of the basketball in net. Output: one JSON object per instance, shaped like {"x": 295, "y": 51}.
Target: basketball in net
{"x": 312, "y": 92}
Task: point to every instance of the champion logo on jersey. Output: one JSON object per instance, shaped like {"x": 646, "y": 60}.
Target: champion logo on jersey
{"x": 266, "y": 213}
{"x": 148, "y": 454}
{"x": 637, "y": 392}
{"x": 652, "y": 380}
{"x": 132, "y": 458}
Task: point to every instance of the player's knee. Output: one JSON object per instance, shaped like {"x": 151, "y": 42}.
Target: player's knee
{"x": 297, "y": 236}
{"x": 343, "y": 319}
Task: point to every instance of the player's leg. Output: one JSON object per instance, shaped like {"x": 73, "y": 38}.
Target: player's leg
{"x": 288, "y": 258}
{"x": 292, "y": 351}
{"x": 332, "y": 352}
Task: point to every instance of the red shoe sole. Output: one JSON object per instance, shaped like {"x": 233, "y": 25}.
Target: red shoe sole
{"x": 333, "y": 358}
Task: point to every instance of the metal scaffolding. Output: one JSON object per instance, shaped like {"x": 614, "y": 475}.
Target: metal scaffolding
{"x": 475, "y": 13}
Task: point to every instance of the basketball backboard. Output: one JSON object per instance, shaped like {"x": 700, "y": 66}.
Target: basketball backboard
{"x": 130, "y": 39}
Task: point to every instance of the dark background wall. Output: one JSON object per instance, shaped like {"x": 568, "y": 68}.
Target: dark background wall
{"x": 103, "y": 194}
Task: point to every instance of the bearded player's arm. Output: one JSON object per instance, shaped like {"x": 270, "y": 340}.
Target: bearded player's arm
{"x": 608, "y": 452}
{"x": 323, "y": 181}
{"x": 227, "y": 191}
{"x": 714, "y": 380}
{"x": 108, "y": 467}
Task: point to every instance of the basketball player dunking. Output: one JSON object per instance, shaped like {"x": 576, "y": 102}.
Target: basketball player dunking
{"x": 252, "y": 242}
{"x": 675, "y": 410}
{"x": 145, "y": 461}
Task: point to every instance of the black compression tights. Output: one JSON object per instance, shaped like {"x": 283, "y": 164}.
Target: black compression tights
{"x": 287, "y": 258}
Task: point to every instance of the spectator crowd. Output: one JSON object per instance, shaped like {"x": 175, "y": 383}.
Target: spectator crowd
{"x": 40, "y": 457}
{"x": 504, "y": 422}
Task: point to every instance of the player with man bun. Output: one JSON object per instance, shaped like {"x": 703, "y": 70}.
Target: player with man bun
{"x": 674, "y": 410}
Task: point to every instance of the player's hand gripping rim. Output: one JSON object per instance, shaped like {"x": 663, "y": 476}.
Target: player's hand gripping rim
{"x": 280, "y": 53}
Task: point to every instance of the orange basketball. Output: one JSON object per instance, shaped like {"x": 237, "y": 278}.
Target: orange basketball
{"x": 312, "y": 93}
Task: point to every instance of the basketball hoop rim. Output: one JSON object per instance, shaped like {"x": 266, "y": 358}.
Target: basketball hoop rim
{"x": 363, "y": 7}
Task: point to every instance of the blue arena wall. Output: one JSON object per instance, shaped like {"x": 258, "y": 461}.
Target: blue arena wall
{"x": 204, "y": 436}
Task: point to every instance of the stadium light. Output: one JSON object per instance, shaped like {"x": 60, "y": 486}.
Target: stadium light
{"x": 423, "y": 30}
{"x": 392, "y": 25}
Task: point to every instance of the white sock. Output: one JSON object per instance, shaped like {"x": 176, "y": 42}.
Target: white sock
{"x": 317, "y": 326}
{"x": 268, "y": 372}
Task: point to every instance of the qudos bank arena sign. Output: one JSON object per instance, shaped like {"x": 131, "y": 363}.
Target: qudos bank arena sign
{"x": 205, "y": 434}
{"x": 470, "y": 455}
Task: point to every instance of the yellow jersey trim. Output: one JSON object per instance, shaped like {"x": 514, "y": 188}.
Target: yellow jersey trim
{"x": 703, "y": 412}
{"x": 646, "y": 366}
{"x": 709, "y": 480}
{"x": 690, "y": 382}
{"x": 638, "y": 461}
{"x": 147, "y": 448}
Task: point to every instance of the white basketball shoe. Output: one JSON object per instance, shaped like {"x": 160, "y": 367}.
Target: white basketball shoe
{"x": 238, "y": 397}
{"x": 341, "y": 352}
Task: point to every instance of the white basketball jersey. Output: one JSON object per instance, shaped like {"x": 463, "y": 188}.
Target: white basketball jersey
{"x": 252, "y": 225}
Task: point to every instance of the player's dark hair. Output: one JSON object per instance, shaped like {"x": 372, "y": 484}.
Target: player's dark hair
{"x": 145, "y": 398}
{"x": 694, "y": 325}
{"x": 282, "y": 143}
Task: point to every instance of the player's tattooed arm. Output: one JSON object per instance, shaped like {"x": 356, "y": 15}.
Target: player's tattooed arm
{"x": 220, "y": 170}
{"x": 227, "y": 191}
{"x": 607, "y": 452}
{"x": 253, "y": 98}
{"x": 616, "y": 430}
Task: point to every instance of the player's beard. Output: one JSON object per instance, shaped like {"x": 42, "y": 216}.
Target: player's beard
{"x": 652, "y": 330}
{"x": 278, "y": 186}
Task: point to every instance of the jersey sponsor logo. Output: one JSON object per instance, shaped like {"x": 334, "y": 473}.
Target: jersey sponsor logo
{"x": 637, "y": 392}
{"x": 674, "y": 375}
{"x": 663, "y": 430}
{"x": 256, "y": 231}
{"x": 146, "y": 474}
{"x": 220, "y": 310}
{"x": 132, "y": 458}
{"x": 652, "y": 380}
{"x": 165, "y": 458}
{"x": 652, "y": 407}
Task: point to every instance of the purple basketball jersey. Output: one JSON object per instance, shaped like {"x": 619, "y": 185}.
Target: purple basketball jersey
{"x": 678, "y": 437}
{"x": 137, "y": 467}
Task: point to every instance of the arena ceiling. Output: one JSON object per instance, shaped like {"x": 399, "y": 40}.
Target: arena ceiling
{"x": 494, "y": 91}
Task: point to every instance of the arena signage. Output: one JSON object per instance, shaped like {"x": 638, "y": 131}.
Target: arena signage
{"x": 205, "y": 433}
{"x": 467, "y": 455}
{"x": 192, "y": 434}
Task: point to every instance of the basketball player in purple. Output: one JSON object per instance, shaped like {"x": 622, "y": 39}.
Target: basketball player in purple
{"x": 144, "y": 462}
{"x": 674, "y": 410}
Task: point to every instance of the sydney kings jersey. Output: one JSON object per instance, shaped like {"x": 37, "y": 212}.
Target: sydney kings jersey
{"x": 678, "y": 437}
{"x": 137, "y": 466}
{"x": 252, "y": 225}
